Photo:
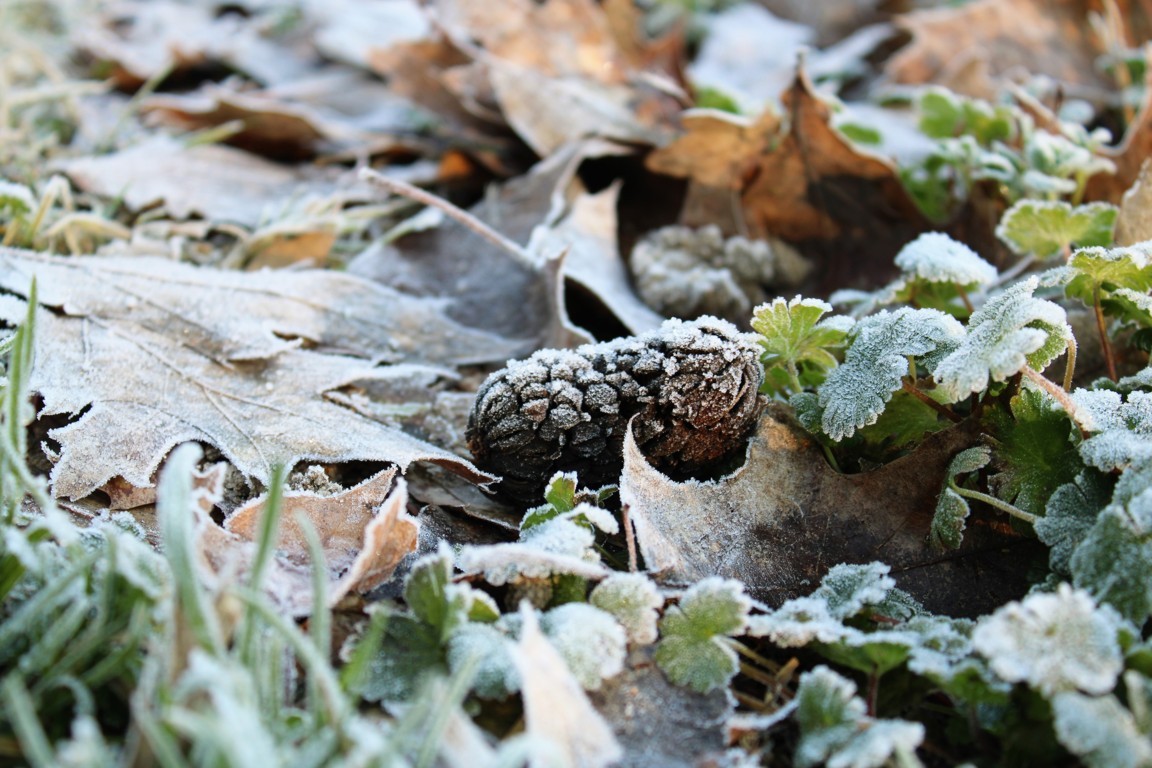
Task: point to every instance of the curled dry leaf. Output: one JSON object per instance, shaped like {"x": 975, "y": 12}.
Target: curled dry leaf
{"x": 845, "y": 208}
{"x": 1134, "y": 222}
{"x": 217, "y": 182}
{"x": 556, "y": 709}
{"x": 365, "y": 532}
{"x": 783, "y": 519}
{"x": 1128, "y": 158}
{"x": 142, "y": 350}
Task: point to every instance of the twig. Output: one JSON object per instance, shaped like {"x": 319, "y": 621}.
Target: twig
{"x": 943, "y": 410}
{"x": 403, "y": 188}
{"x": 629, "y": 538}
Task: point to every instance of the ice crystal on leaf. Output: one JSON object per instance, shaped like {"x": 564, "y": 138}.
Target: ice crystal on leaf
{"x": 847, "y": 588}
{"x": 1123, "y": 427}
{"x": 1059, "y": 641}
{"x": 1096, "y": 270}
{"x": 836, "y": 731}
{"x": 1114, "y": 561}
{"x": 634, "y": 600}
{"x": 487, "y": 653}
{"x": 1100, "y": 731}
{"x": 1012, "y": 330}
{"x": 937, "y": 258}
{"x": 1046, "y": 227}
{"x": 592, "y": 643}
{"x": 799, "y": 347}
{"x": 693, "y": 649}
{"x": 854, "y": 394}
{"x": 947, "y": 529}
{"x": 1069, "y": 515}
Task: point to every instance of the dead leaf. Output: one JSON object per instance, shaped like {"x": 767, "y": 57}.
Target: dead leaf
{"x": 588, "y": 236}
{"x": 661, "y": 725}
{"x": 142, "y": 349}
{"x": 556, "y": 709}
{"x": 783, "y": 519}
{"x": 349, "y": 30}
{"x": 145, "y": 39}
{"x": 974, "y": 48}
{"x": 844, "y": 208}
{"x": 217, "y": 182}
{"x": 1128, "y": 157}
{"x": 297, "y": 121}
{"x": 1134, "y": 222}
{"x": 365, "y": 532}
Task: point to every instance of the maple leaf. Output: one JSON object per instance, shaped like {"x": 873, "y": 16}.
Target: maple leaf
{"x": 142, "y": 350}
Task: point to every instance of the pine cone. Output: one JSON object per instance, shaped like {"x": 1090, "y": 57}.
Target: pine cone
{"x": 693, "y": 387}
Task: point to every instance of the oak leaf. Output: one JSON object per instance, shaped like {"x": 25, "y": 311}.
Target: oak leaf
{"x": 141, "y": 352}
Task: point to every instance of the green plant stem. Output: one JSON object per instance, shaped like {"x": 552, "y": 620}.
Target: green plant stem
{"x": 1070, "y": 364}
{"x": 943, "y": 410}
{"x": 1109, "y": 357}
{"x": 999, "y": 504}
{"x": 1058, "y": 394}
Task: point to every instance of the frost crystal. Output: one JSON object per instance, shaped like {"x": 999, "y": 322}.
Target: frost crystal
{"x": 847, "y": 588}
{"x": 691, "y": 386}
{"x": 1100, "y": 731}
{"x": 1054, "y": 642}
{"x": 1045, "y": 227}
{"x": 1011, "y": 330}
{"x": 1114, "y": 561}
{"x": 693, "y": 650}
{"x": 854, "y": 394}
{"x": 1124, "y": 427}
{"x": 936, "y": 257}
{"x": 687, "y": 273}
{"x": 634, "y": 600}
{"x": 591, "y": 642}
{"x": 836, "y": 731}
{"x": 1069, "y": 516}
{"x": 487, "y": 653}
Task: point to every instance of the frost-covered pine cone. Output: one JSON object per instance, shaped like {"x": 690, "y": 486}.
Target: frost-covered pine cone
{"x": 692, "y": 385}
{"x": 684, "y": 272}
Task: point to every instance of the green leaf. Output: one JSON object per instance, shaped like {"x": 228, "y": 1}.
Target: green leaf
{"x": 848, "y": 588}
{"x": 1036, "y": 454}
{"x": 855, "y": 393}
{"x": 947, "y": 529}
{"x": 411, "y": 651}
{"x": 906, "y": 420}
{"x": 693, "y": 651}
{"x": 488, "y": 654}
{"x": 1114, "y": 562}
{"x": 590, "y": 640}
{"x": 16, "y": 200}
{"x": 1048, "y": 227}
{"x": 438, "y": 602}
{"x": 799, "y": 347}
{"x": 873, "y": 653}
{"x": 1069, "y": 515}
{"x": 860, "y": 134}
{"x": 943, "y": 115}
{"x": 634, "y": 600}
{"x": 1100, "y": 731}
{"x": 1011, "y": 330}
{"x": 1105, "y": 270}
{"x": 1123, "y": 428}
{"x": 1059, "y": 641}
{"x": 836, "y": 731}
{"x": 934, "y": 257}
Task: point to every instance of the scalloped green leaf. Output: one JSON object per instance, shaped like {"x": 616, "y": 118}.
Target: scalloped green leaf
{"x": 836, "y": 731}
{"x": 855, "y": 393}
{"x": 1035, "y": 454}
{"x": 1048, "y": 227}
{"x": 634, "y": 600}
{"x": 1094, "y": 270}
{"x": 934, "y": 257}
{"x": 1069, "y": 515}
{"x": 799, "y": 347}
{"x": 692, "y": 650}
{"x": 1114, "y": 561}
{"x": 1013, "y": 329}
{"x": 947, "y": 530}
{"x": 1100, "y": 731}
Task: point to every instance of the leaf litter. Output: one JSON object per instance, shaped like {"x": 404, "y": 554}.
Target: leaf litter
{"x": 791, "y": 598}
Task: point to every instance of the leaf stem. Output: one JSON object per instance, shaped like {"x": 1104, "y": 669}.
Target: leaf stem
{"x": 1058, "y": 394}
{"x": 943, "y": 410}
{"x": 964, "y": 298}
{"x": 1109, "y": 357}
{"x": 992, "y": 501}
{"x": 629, "y": 537}
{"x": 1070, "y": 364}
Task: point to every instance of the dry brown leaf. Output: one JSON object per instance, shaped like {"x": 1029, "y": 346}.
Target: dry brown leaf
{"x": 349, "y": 30}
{"x": 1128, "y": 157}
{"x": 558, "y": 72}
{"x": 145, "y": 39}
{"x": 783, "y": 519}
{"x": 844, "y": 208}
{"x": 154, "y": 353}
{"x": 217, "y": 182}
{"x": 661, "y": 725}
{"x": 1134, "y": 222}
{"x": 365, "y": 532}
{"x": 556, "y": 709}
{"x": 976, "y": 47}
{"x": 299, "y": 120}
